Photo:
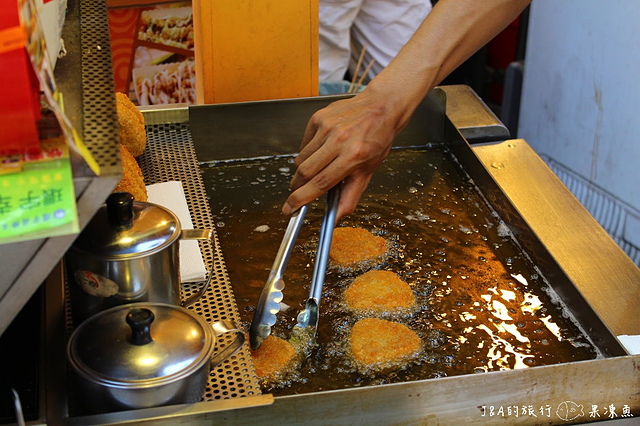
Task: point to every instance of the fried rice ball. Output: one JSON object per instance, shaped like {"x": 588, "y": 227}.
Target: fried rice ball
{"x": 351, "y": 246}
{"x": 379, "y": 291}
{"x": 130, "y": 125}
{"x": 273, "y": 357}
{"x": 132, "y": 180}
{"x": 379, "y": 344}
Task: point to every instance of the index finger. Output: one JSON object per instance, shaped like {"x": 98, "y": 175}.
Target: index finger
{"x": 310, "y": 132}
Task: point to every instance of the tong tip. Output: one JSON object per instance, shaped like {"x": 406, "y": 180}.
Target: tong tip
{"x": 256, "y": 337}
{"x": 303, "y": 338}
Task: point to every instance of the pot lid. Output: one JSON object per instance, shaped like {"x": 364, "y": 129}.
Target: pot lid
{"x": 124, "y": 227}
{"x": 140, "y": 343}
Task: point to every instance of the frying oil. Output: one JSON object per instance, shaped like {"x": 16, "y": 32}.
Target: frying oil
{"x": 481, "y": 305}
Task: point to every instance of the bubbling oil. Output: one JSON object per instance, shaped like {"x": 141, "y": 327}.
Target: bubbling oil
{"x": 480, "y": 305}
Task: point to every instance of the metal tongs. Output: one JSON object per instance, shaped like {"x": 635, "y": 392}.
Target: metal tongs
{"x": 308, "y": 317}
{"x": 264, "y": 317}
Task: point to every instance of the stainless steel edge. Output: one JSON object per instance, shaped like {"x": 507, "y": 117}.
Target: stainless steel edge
{"x": 192, "y": 414}
{"x": 464, "y": 110}
{"x": 598, "y": 267}
{"x": 240, "y": 130}
{"x": 471, "y": 117}
{"x": 538, "y": 395}
{"x": 165, "y": 114}
{"x": 54, "y": 353}
{"x": 460, "y": 400}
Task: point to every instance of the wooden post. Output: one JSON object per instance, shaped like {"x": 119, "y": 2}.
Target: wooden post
{"x": 250, "y": 50}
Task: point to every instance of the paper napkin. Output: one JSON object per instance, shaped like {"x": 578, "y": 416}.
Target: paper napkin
{"x": 171, "y": 196}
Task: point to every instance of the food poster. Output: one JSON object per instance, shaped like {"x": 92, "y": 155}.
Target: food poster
{"x": 153, "y": 51}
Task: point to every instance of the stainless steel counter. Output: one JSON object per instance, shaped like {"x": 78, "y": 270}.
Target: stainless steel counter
{"x": 591, "y": 275}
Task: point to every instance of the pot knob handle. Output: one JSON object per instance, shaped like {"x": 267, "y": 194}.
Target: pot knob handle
{"x": 140, "y": 322}
{"x": 120, "y": 209}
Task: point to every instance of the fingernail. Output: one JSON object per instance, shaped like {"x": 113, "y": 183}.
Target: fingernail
{"x": 286, "y": 209}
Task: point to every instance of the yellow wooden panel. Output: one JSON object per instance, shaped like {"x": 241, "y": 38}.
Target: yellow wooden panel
{"x": 250, "y": 50}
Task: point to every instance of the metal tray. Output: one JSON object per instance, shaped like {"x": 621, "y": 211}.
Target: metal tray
{"x": 594, "y": 278}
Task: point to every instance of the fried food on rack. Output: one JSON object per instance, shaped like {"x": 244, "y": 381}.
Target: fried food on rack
{"x": 130, "y": 125}
{"x": 351, "y": 246}
{"x": 379, "y": 291}
{"x": 132, "y": 180}
{"x": 273, "y": 358}
{"x": 379, "y": 344}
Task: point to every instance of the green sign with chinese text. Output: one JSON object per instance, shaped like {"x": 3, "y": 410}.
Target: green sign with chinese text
{"x": 38, "y": 202}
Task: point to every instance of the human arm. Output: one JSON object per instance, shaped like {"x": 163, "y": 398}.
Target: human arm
{"x": 348, "y": 140}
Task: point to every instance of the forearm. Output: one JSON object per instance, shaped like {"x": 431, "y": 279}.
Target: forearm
{"x": 348, "y": 140}
{"x": 451, "y": 33}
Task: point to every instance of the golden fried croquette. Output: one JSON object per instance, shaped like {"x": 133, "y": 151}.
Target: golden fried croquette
{"x": 273, "y": 357}
{"x": 379, "y": 291}
{"x": 132, "y": 180}
{"x": 130, "y": 125}
{"x": 380, "y": 344}
{"x": 351, "y": 246}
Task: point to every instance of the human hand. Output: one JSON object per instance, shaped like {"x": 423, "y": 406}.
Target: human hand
{"x": 346, "y": 141}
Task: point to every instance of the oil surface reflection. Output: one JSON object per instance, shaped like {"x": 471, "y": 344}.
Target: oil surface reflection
{"x": 481, "y": 305}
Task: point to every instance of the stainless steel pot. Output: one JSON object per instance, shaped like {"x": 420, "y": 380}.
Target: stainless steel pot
{"x": 128, "y": 252}
{"x": 146, "y": 355}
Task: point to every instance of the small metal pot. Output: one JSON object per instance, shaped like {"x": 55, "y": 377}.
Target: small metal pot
{"x": 146, "y": 355}
{"x": 127, "y": 253}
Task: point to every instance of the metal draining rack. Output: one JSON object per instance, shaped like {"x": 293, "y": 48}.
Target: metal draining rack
{"x": 170, "y": 156}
